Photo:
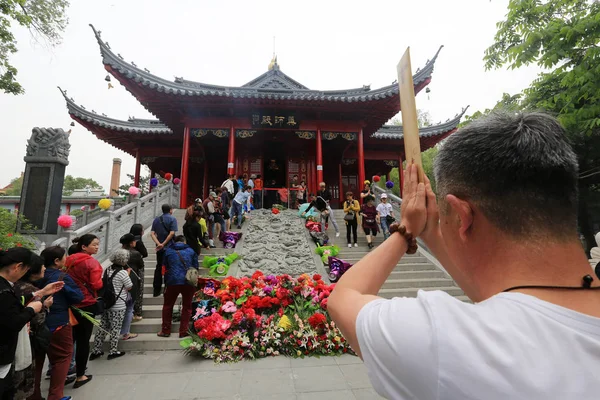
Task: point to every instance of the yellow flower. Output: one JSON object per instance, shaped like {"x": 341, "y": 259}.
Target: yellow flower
{"x": 215, "y": 350}
{"x": 298, "y": 353}
{"x": 285, "y": 323}
{"x": 337, "y": 338}
{"x": 104, "y": 204}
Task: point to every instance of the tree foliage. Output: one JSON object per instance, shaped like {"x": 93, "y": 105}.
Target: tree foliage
{"x": 144, "y": 185}
{"x": 72, "y": 183}
{"x": 507, "y": 103}
{"x": 46, "y": 21}
{"x": 8, "y": 235}
{"x": 16, "y": 187}
{"x": 563, "y": 37}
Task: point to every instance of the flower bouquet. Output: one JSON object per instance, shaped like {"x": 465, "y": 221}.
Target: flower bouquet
{"x": 263, "y": 316}
{"x": 327, "y": 251}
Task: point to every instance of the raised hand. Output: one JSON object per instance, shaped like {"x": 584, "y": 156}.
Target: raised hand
{"x": 48, "y": 302}
{"x": 413, "y": 209}
{"x": 432, "y": 229}
{"x": 52, "y": 288}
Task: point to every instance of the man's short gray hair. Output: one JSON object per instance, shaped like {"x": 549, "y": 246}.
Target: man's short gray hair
{"x": 518, "y": 169}
{"x": 120, "y": 257}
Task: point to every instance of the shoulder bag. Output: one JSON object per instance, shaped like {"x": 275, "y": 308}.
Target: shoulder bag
{"x": 191, "y": 275}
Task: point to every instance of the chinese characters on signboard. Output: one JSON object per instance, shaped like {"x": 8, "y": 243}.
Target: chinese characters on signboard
{"x": 274, "y": 120}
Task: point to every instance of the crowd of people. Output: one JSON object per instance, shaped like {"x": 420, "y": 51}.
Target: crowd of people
{"x": 48, "y": 303}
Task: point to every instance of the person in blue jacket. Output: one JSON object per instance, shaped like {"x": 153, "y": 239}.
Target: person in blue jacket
{"x": 177, "y": 260}
{"x": 60, "y": 350}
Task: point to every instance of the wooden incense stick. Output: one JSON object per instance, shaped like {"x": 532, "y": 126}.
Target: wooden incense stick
{"x": 410, "y": 125}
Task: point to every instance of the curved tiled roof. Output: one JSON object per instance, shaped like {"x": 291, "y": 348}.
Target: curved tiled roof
{"x": 273, "y": 84}
{"x": 397, "y": 131}
{"x": 133, "y": 125}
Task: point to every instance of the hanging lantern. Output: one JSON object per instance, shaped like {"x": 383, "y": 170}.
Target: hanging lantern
{"x": 65, "y": 221}
{"x": 134, "y": 191}
{"x": 83, "y": 208}
{"x": 176, "y": 181}
{"x": 105, "y": 204}
{"x": 389, "y": 184}
{"x": 376, "y": 178}
{"x": 72, "y": 123}
{"x": 153, "y": 182}
{"x": 107, "y": 79}
{"x": 168, "y": 176}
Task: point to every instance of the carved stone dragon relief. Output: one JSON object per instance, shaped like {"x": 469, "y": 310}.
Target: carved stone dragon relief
{"x": 49, "y": 143}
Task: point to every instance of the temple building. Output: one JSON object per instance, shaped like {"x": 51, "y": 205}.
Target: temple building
{"x": 273, "y": 126}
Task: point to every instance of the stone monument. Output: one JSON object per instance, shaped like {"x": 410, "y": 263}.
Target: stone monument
{"x": 46, "y": 159}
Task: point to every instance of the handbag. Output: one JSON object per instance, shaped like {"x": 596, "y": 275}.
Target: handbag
{"x": 40, "y": 339}
{"x": 349, "y": 216}
{"x": 23, "y": 354}
{"x": 389, "y": 219}
{"x": 191, "y": 275}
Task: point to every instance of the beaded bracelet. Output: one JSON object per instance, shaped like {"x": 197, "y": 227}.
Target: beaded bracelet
{"x": 410, "y": 240}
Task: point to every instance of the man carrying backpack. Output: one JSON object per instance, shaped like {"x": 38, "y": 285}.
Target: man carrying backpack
{"x": 116, "y": 285}
{"x": 163, "y": 231}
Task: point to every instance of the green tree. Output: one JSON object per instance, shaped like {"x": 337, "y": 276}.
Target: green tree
{"x": 563, "y": 38}
{"x": 17, "y": 185}
{"x": 8, "y": 235}
{"x": 508, "y": 103}
{"x": 46, "y": 22}
{"x": 144, "y": 185}
{"x": 72, "y": 183}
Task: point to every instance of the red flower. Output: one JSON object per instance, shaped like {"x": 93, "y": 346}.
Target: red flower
{"x": 317, "y": 277}
{"x": 257, "y": 275}
{"x": 237, "y": 317}
{"x": 317, "y": 320}
{"x": 212, "y": 327}
{"x": 324, "y": 304}
{"x": 18, "y": 244}
{"x": 9, "y": 234}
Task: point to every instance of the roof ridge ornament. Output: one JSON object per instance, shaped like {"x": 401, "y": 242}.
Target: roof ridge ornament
{"x": 273, "y": 64}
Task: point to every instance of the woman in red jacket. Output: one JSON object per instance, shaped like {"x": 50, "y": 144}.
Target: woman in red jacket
{"x": 86, "y": 271}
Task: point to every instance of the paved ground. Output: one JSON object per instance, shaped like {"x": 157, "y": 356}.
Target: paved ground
{"x": 161, "y": 375}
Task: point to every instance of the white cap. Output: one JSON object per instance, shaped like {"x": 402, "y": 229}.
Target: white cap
{"x": 384, "y": 196}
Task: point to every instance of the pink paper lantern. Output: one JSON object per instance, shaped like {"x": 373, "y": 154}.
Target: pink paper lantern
{"x": 176, "y": 181}
{"x": 83, "y": 208}
{"x": 133, "y": 191}
{"x": 65, "y": 221}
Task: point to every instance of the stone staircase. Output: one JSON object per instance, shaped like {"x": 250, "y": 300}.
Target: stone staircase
{"x": 413, "y": 272}
{"x": 150, "y": 325}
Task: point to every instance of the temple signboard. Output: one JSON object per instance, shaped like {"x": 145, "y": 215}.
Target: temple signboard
{"x": 271, "y": 120}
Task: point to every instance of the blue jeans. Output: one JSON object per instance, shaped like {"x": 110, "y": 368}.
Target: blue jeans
{"x": 238, "y": 210}
{"x": 128, "y": 316}
{"x": 384, "y": 228}
{"x": 221, "y": 221}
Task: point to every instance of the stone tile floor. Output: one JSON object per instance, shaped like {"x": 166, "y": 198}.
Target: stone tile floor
{"x": 169, "y": 375}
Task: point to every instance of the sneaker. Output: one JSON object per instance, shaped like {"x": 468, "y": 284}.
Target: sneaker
{"x": 370, "y": 245}
{"x": 93, "y": 356}
{"x": 337, "y": 234}
{"x": 349, "y": 245}
{"x": 239, "y": 227}
{"x": 355, "y": 244}
{"x": 118, "y": 354}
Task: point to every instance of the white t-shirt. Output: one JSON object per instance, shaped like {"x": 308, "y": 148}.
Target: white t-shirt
{"x": 384, "y": 209}
{"x": 511, "y": 346}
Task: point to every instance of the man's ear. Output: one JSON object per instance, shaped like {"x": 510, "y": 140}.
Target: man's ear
{"x": 463, "y": 212}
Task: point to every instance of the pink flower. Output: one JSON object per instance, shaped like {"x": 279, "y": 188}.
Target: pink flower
{"x": 229, "y": 307}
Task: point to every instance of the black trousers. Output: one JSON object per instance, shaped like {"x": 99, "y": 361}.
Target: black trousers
{"x": 7, "y": 387}
{"x": 158, "y": 278}
{"x": 82, "y": 332}
{"x": 352, "y": 226}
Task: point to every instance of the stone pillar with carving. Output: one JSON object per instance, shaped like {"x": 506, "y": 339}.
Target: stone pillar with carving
{"x": 46, "y": 160}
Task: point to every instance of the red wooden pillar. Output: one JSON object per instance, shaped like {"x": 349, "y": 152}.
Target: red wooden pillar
{"x": 400, "y": 174}
{"x": 68, "y": 208}
{"x": 361, "y": 160}
{"x": 205, "y": 180}
{"x": 231, "y": 152}
{"x": 342, "y": 196}
{"x": 136, "y": 177}
{"x": 185, "y": 159}
{"x": 319, "y": 158}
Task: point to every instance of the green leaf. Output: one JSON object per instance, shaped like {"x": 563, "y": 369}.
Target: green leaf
{"x": 186, "y": 343}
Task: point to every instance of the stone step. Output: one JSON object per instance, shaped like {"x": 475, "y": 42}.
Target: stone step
{"x": 412, "y": 292}
{"x": 153, "y": 311}
{"x": 145, "y": 342}
{"x": 151, "y": 325}
{"x": 392, "y": 283}
{"x": 425, "y": 274}
{"x": 355, "y": 257}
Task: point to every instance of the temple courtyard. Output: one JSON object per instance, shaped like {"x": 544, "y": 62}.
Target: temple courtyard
{"x": 162, "y": 375}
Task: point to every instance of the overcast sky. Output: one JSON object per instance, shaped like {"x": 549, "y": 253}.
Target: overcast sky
{"x": 321, "y": 44}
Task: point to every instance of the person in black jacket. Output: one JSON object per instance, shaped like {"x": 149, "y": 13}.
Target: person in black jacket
{"x": 137, "y": 230}
{"x": 193, "y": 232}
{"x": 14, "y": 315}
{"x": 136, "y": 266}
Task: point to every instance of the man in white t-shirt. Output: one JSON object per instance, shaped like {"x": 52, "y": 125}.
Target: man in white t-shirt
{"x": 506, "y": 231}
{"x": 384, "y": 209}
